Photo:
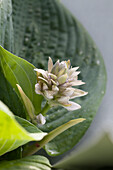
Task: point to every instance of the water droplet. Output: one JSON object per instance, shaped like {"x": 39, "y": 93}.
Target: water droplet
{"x": 21, "y": 149}
{"x": 96, "y": 55}
{"x": 98, "y": 62}
{"x": 102, "y": 92}
{"x": 94, "y": 47}
{"x": 5, "y": 17}
{"x": 38, "y": 44}
{"x": 44, "y": 41}
{"x": 80, "y": 52}
{"x": 88, "y": 56}
{"x": 30, "y": 10}
{"x": 48, "y": 126}
{"x": 52, "y": 152}
{"x": 26, "y": 39}
{"x": 23, "y": 48}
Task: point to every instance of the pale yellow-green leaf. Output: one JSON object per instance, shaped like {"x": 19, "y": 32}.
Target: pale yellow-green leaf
{"x": 12, "y": 134}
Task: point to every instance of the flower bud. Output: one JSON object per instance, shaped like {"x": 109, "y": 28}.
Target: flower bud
{"x": 41, "y": 120}
{"x": 56, "y": 84}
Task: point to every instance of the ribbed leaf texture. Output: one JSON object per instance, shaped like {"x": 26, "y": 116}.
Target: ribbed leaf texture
{"x": 33, "y": 162}
{"x": 6, "y": 26}
{"x": 46, "y": 28}
{"x": 7, "y": 93}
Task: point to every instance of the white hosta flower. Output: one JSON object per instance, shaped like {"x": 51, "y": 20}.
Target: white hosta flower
{"x": 56, "y": 84}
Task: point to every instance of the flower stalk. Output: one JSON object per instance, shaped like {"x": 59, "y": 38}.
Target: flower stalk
{"x": 45, "y": 109}
{"x": 30, "y": 150}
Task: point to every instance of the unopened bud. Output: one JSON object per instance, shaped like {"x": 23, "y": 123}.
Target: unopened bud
{"x": 41, "y": 120}
{"x": 56, "y": 84}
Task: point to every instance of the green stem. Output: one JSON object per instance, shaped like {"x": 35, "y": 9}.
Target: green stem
{"x": 45, "y": 109}
{"x": 38, "y": 145}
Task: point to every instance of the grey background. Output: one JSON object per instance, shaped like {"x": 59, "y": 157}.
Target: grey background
{"x": 97, "y": 18}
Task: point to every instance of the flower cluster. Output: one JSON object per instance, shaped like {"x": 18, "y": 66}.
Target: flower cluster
{"x": 56, "y": 84}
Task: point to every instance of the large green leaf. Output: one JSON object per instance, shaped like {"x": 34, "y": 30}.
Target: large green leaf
{"x": 35, "y": 162}
{"x": 46, "y": 28}
{"x": 7, "y": 93}
{"x": 29, "y": 127}
{"x": 12, "y": 134}
{"x": 6, "y": 26}
{"x": 19, "y": 71}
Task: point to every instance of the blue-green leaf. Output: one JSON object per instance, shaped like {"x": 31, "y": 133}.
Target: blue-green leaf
{"x": 6, "y": 25}
{"x": 46, "y": 28}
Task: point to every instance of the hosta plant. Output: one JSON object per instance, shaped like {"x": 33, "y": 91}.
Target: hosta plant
{"x": 40, "y": 107}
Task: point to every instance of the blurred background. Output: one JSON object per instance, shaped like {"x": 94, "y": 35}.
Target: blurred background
{"x": 97, "y": 17}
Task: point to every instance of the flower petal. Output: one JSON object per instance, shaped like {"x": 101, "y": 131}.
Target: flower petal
{"x": 50, "y": 64}
{"x": 52, "y": 76}
{"x": 45, "y": 87}
{"x": 41, "y": 71}
{"x": 63, "y": 100}
{"x": 55, "y": 88}
{"x": 53, "y": 82}
{"x": 77, "y": 83}
{"x": 70, "y": 71}
{"x": 38, "y": 89}
{"x": 74, "y": 74}
{"x": 62, "y": 79}
{"x": 68, "y": 63}
{"x": 72, "y": 106}
{"x": 55, "y": 68}
{"x": 68, "y": 91}
{"x": 78, "y": 93}
{"x": 48, "y": 94}
{"x": 61, "y": 72}
{"x": 43, "y": 80}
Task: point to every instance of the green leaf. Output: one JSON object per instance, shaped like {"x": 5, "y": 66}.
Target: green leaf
{"x": 27, "y": 125}
{"x": 12, "y": 133}
{"x": 10, "y": 98}
{"x": 19, "y": 71}
{"x": 12, "y": 155}
{"x": 46, "y": 28}
{"x": 7, "y": 94}
{"x": 34, "y": 162}
{"x": 6, "y": 26}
